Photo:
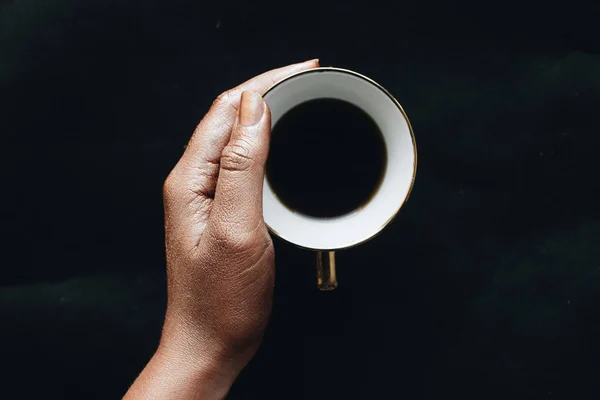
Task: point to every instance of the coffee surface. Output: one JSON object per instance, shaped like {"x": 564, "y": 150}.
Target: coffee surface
{"x": 327, "y": 158}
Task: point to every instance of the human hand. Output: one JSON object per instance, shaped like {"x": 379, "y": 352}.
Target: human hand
{"x": 220, "y": 258}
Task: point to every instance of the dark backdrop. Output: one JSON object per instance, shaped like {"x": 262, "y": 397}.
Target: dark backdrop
{"x": 486, "y": 286}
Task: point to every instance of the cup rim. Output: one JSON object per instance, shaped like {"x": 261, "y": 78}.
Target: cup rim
{"x": 412, "y": 136}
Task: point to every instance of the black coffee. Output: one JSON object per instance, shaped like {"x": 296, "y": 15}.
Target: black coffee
{"x": 327, "y": 158}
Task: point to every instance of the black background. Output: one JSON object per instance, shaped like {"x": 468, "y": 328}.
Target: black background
{"x": 487, "y": 284}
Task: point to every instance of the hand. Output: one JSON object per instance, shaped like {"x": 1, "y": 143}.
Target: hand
{"x": 220, "y": 258}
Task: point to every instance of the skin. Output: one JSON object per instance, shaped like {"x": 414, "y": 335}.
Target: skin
{"x": 220, "y": 257}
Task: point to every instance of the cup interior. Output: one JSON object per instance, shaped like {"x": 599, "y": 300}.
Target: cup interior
{"x": 366, "y": 221}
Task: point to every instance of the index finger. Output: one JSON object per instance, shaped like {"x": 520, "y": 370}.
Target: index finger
{"x": 264, "y": 81}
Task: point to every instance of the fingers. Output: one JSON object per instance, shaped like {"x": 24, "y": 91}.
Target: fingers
{"x": 264, "y": 81}
{"x": 190, "y": 187}
{"x": 237, "y": 207}
{"x": 212, "y": 134}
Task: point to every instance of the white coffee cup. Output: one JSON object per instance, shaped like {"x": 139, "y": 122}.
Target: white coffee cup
{"x": 326, "y": 235}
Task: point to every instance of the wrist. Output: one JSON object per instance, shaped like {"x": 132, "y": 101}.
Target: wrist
{"x": 206, "y": 376}
{"x": 201, "y": 355}
{"x": 201, "y": 344}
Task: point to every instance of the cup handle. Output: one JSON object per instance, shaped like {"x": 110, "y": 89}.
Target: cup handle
{"x": 326, "y": 276}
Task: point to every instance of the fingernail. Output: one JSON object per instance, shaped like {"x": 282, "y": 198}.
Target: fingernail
{"x": 251, "y": 108}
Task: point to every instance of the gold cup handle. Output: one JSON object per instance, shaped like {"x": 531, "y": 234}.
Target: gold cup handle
{"x": 326, "y": 277}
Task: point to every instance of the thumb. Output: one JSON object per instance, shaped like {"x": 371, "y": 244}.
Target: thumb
{"x": 237, "y": 205}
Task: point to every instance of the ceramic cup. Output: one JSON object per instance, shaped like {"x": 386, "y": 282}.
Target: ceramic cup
{"x": 326, "y": 235}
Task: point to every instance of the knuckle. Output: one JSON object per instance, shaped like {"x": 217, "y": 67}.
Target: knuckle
{"x": 170, "y": 184}
{"x": 224, "y": 98}
{"x": 237, "y": 157}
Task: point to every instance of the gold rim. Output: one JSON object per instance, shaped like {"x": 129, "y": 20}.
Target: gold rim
{"x": 412, "y": 135}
